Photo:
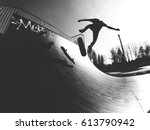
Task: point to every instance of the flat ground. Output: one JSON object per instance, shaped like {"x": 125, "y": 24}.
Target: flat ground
{"x": 139, "y": 71}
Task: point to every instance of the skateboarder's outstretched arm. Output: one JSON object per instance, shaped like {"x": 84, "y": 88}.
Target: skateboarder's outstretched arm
{"x": 116, "y": 29}
{"x": 86, "y": 20}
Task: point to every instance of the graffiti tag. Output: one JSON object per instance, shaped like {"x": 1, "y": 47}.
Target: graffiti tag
{"x": 28, "y": 24}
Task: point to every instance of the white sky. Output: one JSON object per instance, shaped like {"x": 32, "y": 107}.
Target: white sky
{"x": 131, "y": 16}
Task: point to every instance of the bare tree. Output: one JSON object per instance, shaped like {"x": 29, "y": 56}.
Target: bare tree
{"x": 141, "y": 52}
{"x": 135, "y": 50}
{"x": 147, "y": 49}
{"x": 130, "y": 49}
{"x": 127, "y": 55}
{"x": 101, "y": 60}
{"x": 114, "y": 56}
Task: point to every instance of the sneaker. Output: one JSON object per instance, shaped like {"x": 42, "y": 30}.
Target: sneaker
{"x": 81, "y": 31}
{"x": 89, "y": 49}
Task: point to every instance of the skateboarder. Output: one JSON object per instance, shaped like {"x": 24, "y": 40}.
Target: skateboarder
{"x": 95, "y": 27}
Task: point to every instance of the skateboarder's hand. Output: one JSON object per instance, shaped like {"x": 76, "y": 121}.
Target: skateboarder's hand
{"x": 117, "y": 29}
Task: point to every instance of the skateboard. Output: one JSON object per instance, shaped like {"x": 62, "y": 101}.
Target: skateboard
{"x": 81, "y": 46}
{"x": 67, "y": 55}
{"x": 79, "y": 40}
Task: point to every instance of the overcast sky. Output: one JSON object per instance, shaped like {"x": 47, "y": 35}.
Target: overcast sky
{"x": 131, "y": 16}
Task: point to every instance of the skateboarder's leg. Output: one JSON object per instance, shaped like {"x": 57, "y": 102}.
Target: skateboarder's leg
{"x": 84, "y": 29}
{"x": 95, "y": 36}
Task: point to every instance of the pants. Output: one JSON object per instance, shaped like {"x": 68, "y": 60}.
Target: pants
{"x": 95, "y": 31}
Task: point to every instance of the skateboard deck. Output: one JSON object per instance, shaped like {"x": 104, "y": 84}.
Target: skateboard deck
{"x": 81, "y": 46}
{"x": 67, "y": 55}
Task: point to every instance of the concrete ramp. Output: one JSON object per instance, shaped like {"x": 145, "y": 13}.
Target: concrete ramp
{"x": 42, "y": 70}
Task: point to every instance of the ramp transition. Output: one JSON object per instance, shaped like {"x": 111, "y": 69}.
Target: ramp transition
{"x": 37, "y": 76}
